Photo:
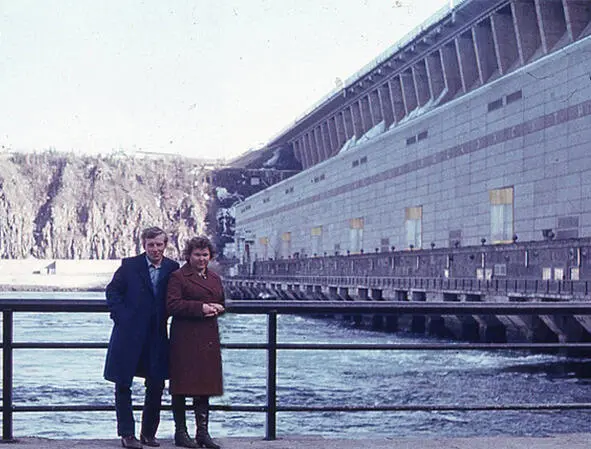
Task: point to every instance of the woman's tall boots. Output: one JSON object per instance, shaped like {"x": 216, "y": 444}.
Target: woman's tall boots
{"x": 181, "y": 436}
{"x": 201, "y": 405}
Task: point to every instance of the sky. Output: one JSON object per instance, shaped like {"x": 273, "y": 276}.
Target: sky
{"x": 202, "y": 78}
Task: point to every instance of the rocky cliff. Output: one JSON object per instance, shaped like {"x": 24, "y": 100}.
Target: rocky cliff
{"x": 57, "y": 205}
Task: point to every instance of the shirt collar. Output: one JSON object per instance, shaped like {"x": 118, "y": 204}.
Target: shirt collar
{"x": 152, "y": 264}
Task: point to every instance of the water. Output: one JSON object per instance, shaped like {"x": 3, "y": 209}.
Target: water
{"x": 305, "y": 378}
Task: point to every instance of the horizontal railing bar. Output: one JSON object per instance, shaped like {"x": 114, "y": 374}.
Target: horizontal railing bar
{"x": 352, "y": 408}
{"x": 339, "y": 346}
{"x": 264, "y": 346}
{"x": 525, "y": 288}
{"x": 57, "y": 345}
{"x": 66, "y": 345}
{"x": 111, "y": 408}
{"x": 430, "y": 346}
{"x": 328, "y": 307}
{"x": 405, "y": 307}
{"x": 518, "y": 286}
{"x": 53, "y": 305}
{"x": 411, "y": 281}
{"x": 437, "y": 408}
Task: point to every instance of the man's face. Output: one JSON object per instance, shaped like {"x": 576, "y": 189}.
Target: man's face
{"x": 155, "y": 248}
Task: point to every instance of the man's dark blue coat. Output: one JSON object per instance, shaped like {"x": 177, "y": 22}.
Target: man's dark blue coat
{"x": 139, "y": 340}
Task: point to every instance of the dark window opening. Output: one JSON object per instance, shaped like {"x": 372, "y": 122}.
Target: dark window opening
{"x": 497, "y": 104}
{"x": 515, "y": 96}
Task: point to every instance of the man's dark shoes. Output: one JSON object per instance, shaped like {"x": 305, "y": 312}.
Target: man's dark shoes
{"x": 131, "y": 442}
{"x": 149, "y": 441}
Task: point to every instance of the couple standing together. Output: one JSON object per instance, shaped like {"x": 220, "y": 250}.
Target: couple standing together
{"x": 144, "y": 292}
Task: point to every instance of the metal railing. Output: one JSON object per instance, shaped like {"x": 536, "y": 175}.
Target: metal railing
{"x": 504, "y": 286}
{"x": 11, "y": 306}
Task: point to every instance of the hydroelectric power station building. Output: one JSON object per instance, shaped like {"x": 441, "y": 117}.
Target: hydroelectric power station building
{"x": 455, "y": 166}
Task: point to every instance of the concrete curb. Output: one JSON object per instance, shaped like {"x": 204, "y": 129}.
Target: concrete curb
{"x": 564, "y": 441}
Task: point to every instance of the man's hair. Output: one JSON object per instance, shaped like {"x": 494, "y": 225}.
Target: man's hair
{"x": 199, "y": 242}
{"x": 153, "y": 232}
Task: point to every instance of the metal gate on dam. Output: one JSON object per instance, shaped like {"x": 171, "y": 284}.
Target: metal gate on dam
{"x": 457, "y": 277}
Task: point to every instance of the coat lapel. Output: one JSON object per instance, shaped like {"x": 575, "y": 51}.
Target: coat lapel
{"x": 167, "y": 267}
{"x": 143, "y": 271}
{"x": 194, "y": 278}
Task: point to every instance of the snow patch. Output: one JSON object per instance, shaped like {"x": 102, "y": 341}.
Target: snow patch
{"x": 348, "y": 145}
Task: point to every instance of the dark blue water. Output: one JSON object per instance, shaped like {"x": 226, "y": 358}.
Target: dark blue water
{"x": 52, "y": 377}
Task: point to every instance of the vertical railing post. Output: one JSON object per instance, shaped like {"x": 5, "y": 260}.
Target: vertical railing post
{"x": 271, "y": 425}
{"x": 7, "y": 375}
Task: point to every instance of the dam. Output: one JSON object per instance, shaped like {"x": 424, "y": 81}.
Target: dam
{"x": 453, "y": 168}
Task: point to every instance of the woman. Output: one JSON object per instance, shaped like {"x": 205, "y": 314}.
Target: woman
{"x": 194, "y": 299}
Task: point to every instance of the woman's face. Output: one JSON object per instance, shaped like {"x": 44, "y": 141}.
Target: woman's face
{"x": 200, "y": 258}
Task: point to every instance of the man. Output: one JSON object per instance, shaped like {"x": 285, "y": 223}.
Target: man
{"x": 136, "y": 298}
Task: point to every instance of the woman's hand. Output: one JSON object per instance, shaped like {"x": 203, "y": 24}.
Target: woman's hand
{"x": 212, "y": 309}
{"x": 219, "y": 308}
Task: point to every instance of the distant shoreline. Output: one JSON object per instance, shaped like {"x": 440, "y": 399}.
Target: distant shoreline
{"x": 56, "y": 275}
{"x": 47, "y": 288}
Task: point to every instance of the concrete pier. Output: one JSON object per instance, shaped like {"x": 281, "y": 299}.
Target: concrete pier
{"x": 570, "y": 441}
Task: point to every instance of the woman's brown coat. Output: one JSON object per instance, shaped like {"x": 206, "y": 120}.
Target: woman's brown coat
{"x": 195, "y": 353}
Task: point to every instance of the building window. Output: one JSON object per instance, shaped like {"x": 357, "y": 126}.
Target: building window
{"x": 455, "y": 238}
{"x": 494, "y": 105}
{"x": 417, "y": 138}
{"x": 286, "y": 245}
{"x": 316, "y": 234}
{"x": 355, "y": 235}
{"x": 567, "y": 227}
{"x": 500, "y": 269}
{"x": 264, "y": 242}
{"x": 413, "y": 218}
{"x": 501, "y": 215}
{"x": 515, "y": 96}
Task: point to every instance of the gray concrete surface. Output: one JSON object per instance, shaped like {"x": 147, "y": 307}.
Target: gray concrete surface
{"x": 566, "y": 441}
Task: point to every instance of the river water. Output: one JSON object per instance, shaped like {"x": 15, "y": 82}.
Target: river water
{"x": 55, "y": 377}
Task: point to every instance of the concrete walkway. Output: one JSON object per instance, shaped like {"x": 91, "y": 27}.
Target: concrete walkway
{"x": 566, "y": 441}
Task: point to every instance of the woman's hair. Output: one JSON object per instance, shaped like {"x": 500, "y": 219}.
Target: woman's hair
{"x": 199, "y": 242}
